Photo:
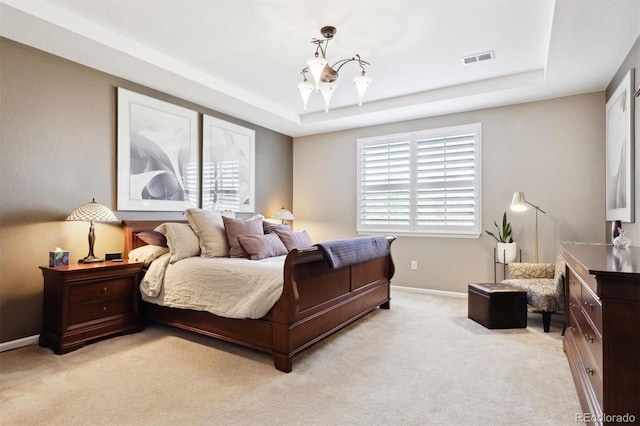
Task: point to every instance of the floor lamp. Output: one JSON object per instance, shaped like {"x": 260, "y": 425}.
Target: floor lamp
{"x": 518, "y": 204}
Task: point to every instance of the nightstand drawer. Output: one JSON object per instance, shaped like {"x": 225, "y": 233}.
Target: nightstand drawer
{"x": 118, "y": 287}
{"x": 100, "y": 309}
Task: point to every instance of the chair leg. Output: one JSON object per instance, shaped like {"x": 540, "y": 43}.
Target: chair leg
{"x": 546, "y": 321}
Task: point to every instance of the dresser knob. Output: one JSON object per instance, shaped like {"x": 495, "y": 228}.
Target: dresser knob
{"x": 588, "y": 338}
{"x": 104, "y": 309}
{"x": 589, "y": 305}
{"x": 589, "y": 371}
{"x": 104, "y": 289}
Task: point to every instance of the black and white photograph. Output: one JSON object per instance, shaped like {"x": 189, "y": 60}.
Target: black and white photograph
{"x": 157, "y": 154}
{"x": 619, "y": 162}
{"x": 228, "y": 169}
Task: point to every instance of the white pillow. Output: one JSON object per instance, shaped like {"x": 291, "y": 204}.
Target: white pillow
{"x": 147, "y": 254}
{"x": 181, "y": 239}
{"x": 209, "y": 228}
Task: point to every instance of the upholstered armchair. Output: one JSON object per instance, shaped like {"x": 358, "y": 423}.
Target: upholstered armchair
{"x": 544, "y": 283}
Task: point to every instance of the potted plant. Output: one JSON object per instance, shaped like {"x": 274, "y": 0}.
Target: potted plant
{"x": 506, "y": 249}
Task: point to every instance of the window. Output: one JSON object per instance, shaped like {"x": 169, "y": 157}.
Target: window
{"x": 425, "y": 182}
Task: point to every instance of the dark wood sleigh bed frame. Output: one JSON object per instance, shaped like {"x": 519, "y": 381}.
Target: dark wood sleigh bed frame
{"x": 316, "y": 301}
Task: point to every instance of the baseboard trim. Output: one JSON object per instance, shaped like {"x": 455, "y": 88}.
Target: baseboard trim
{"x": 19, "y": 343}
{"x": 432, "y": 292}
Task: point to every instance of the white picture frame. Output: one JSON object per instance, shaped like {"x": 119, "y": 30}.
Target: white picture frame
{"x": 228, "y": 166}
{"x": 619, "y": 190}
{"x": 158, "y": 157}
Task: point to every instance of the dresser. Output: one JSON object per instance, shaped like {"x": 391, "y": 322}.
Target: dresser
{"x": 602, "y": 336}
{"x": 86, "y": 301}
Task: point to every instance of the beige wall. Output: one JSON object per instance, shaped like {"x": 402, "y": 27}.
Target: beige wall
{"x": 552, "y": 150}
{"x": 58, "y": 150}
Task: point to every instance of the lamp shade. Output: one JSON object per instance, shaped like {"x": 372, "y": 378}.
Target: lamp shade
{"x": 92, "y": 212}
{"x": 282, "y": 214}
{"x": 518, "y": 202}
{"x": 362, "y": 82}
{"x": 305, "y": 88}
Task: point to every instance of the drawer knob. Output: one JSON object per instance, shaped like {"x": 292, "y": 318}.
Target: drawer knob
{"x": 588, "y": 338}
{"x": 589, "y": 305}
{"x": 104, "y": 289}
{"x": 589, "y": 371}
{"x": 104, "y": 309}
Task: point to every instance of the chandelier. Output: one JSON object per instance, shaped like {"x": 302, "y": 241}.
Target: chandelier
{"x": 325, "y": 75}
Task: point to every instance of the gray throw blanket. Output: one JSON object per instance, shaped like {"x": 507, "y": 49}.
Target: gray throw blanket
{"x": 349, "y": 251}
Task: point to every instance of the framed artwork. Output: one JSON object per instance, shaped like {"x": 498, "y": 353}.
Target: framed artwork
{"x": 620, "y": 152}
{"x": 158, "y": 162}
{"x": 228, "y": 166}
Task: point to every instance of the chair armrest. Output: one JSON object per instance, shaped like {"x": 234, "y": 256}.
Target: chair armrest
{"x": 531, "y": 270}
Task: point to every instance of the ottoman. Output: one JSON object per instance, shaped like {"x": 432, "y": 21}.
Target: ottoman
{"x": 497, "y": 305}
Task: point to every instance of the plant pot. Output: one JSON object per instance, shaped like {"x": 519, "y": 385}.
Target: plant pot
{"x": 507, "y": 252}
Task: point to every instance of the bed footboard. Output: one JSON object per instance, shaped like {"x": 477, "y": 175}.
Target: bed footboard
{"x": 318, "y": 300}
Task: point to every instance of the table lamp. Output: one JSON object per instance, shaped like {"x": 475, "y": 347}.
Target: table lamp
{"x": 92, "y": 212}
{"x": 282, "y": 214}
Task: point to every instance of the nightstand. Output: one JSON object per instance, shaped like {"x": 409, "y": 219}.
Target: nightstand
{"x": 87, "y": 301}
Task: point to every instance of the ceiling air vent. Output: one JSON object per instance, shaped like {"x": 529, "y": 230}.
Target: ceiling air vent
{"x": 478, "y": 57}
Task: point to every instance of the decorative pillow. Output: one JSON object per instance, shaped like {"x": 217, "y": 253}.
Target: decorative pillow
{"x": 235, "y": 227}
{"x": 298, "y": 240}
{"x": 270, "y": 227}
{"x": 147, "y": 254}
{"x": 181, "y": 239}
{"x": 153, "y": 238}
{"x": 261, "y": 246}
{"x": 209, "y": 228}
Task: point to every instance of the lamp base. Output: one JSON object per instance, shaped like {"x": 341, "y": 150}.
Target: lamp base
{"x": 90, "y": 259}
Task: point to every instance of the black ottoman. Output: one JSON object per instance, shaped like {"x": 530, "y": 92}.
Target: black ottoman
{"x": 497, "y": 305}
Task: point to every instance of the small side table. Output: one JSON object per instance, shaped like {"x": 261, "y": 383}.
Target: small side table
{"x": 504, "y": 265}
{"x": 82, "y": 302}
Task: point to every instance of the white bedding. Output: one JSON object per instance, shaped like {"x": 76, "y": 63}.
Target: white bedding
{"x": 228, "y": 287}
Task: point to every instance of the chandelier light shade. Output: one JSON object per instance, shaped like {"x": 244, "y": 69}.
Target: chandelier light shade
{"x": 282, "y": 214}
{"x": 325, "y": 75}
{"x": 519, "y": 204}
{"x": 92, "y": 212}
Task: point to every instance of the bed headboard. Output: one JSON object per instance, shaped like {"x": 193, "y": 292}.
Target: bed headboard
{"x": 133, "y": 227}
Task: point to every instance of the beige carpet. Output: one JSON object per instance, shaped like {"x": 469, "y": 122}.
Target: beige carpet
{"x": 422, "y": 362}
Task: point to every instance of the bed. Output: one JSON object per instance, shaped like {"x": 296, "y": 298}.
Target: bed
{"x": 316, "y": 301}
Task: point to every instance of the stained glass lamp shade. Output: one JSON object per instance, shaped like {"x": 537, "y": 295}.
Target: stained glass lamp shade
{"x": 92, "y": 212}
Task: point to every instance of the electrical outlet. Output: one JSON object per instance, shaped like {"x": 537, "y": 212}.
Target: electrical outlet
{"x": 414, "y": 265}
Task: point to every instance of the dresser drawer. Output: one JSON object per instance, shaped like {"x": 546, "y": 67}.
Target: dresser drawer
{"x": 590, "y": 340}
{"x": 118, "y": 287}
{"x": 99, "y": 309}
{"x": 592, "y": 307}
{"x": 575, "y": 289}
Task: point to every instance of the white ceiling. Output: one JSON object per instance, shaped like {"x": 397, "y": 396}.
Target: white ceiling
{"x": 244, "y": 58}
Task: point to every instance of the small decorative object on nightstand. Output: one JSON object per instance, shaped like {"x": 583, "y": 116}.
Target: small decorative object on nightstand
{"x": 86, "y": 301}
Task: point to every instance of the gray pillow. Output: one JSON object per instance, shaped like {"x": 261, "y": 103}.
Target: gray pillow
{"x": 262, "y": 246}
{"x": 234, "y": 227}
{"x": 298, "y": 240}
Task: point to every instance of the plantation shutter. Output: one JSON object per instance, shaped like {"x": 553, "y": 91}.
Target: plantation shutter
{"x": 421, "y": 183}
{"x": 385, "y": 178}
{"x": 445, "y": 175}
